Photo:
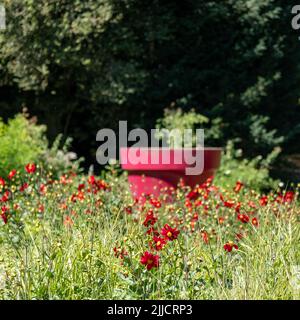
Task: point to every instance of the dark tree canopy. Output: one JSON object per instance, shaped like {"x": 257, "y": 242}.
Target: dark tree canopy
{"x": 81, "y": 65}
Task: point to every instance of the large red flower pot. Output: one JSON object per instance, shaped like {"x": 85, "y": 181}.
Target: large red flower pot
{"x": 148, "y": 178}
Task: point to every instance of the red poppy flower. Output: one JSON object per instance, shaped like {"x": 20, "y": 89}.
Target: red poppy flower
{"x": 150, "y": 260}
{"x": 159, "y": 243}
{"x": 2, "y": 182}
{"x": 238, "y": 186}
{"x": 150, "y": 219}
{"x": 169, "y": 233}
{"x": 12, "y": 174}
{"x": 30, "y": 168}
{"x": 229, "y": 246}
{"x": 243, "y": 218}
{"x": 255, "y": 222}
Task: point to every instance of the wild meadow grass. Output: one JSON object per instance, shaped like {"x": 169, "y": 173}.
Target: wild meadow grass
{"x": 80, "y": 237}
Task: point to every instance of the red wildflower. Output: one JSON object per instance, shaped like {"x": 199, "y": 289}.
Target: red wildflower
{"x": 159, "y": 243}
{"x": 204, "y": 236}
{"x": 120, "y": 253}
{"x": 30, "y": 168}
{"x": 156, "y": 203}
{"x": 73, "y": 197}
{"x": 221, "y": 220}
{"x": 4, "y": 209}
{"x": 152, "y": 231}
{"x": 263, "y": 201}
{"x": 64, "y": 180}
{"x": 229, "y": 203}
{"x": 243, "y": 218}
{"x": 150, "y": 260}
{"x": 92, "y": 180}
{"x": 195, "y": 217}
{"x": 238, "y": 186}
{"x": 102, "y": 185}
{"x": 252, "y": 204}
{"x": 169, "y": 233}
{"x": 238, "y": 207}
{"x": 192, "y": 195}
{"x": 150, "y": 219}
{"x": 68, "y": 222}
{"x": 80, "y": 196}
{"x": 4, "y": 218}
{"x": 128, "y": 210}
{"x": 5, "y": 196}
{"x": 239, "y": 236}
{"x": 41, "y": 208}
{"x": 289, "y": 196}
{"x": 43, "y": 189}
{"x": 2, "y": 182}
{"x": 198, "y": 203}
{"x": 24, "y": 186}
{"x": 229, "y": 245}
{"x": 255, "y": 222}
{"x": 188, "y": 203}
{"x": 12, "y": 174}
{"x": 81, "y": 186}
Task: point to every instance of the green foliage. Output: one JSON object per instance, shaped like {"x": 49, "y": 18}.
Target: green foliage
{"x": 59, "y": 159}
{"x": 66, "y": 244}
{"x": 176, "y": 119}
{"x": 82, "y": 65}
{"x": 21, "y": 142}
{"x": 254, "y": 173}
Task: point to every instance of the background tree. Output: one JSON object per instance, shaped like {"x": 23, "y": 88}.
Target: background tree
{"x": 81, "y": 65}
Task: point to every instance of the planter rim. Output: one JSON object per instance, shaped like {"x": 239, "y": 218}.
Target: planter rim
{"x": 211, "y": 158}
{"x": 175, "y": 149}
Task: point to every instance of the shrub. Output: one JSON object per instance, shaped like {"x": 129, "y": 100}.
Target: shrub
{"x": 255, "y": 172}
{"x": 22, "y": 141}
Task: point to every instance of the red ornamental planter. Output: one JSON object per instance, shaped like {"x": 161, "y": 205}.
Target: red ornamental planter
{"x": 155, "y": 179}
